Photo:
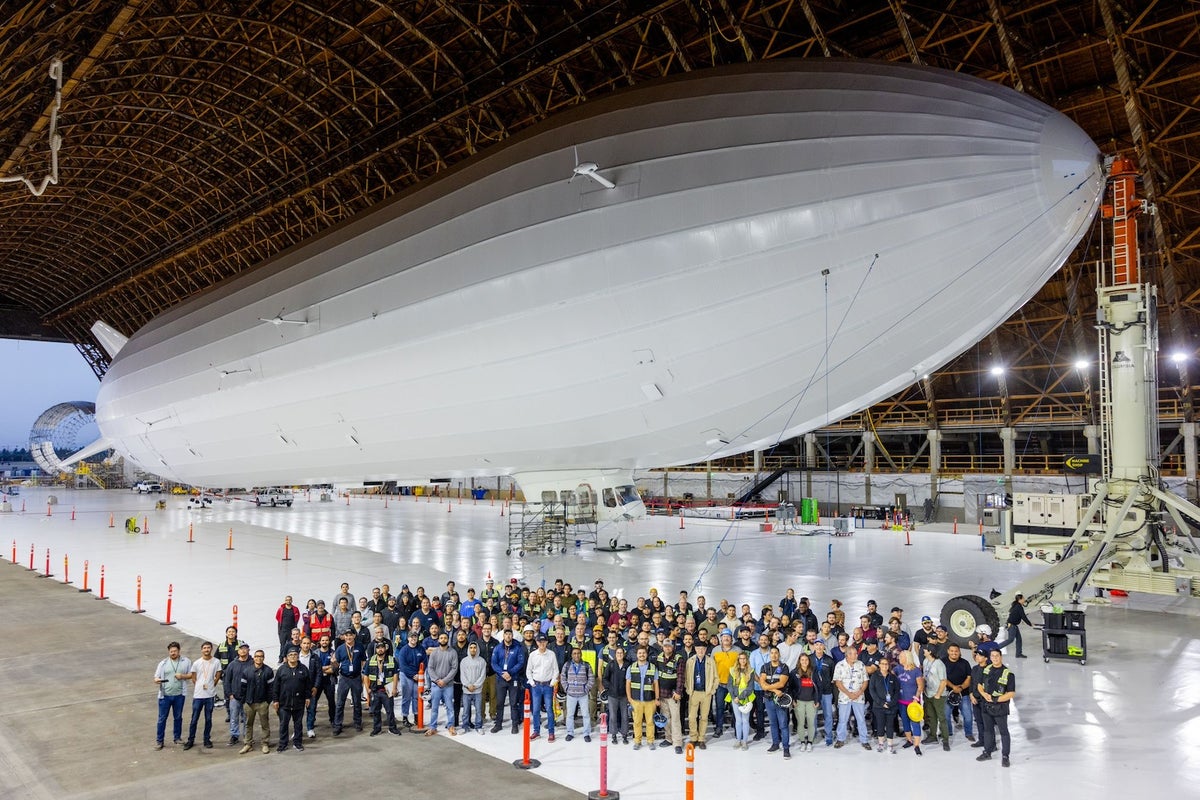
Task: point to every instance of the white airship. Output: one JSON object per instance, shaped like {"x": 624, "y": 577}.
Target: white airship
{"x": 672, "y": 273}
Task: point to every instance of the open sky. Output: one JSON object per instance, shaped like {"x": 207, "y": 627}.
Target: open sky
{"x": 36, "y": 376}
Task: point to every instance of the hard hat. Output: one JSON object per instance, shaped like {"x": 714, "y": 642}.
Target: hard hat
{"x": 604, "y": 696}
{"x": 954, "y": 699}
{"x": 560, "y": 692}
{"x": 660, "y": 720}
{"x": 986, "y": 630}
{"x": 915, "y": 712}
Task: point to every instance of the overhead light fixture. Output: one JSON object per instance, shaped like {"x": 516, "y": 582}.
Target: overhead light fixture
{"x": 997, "y": 371}
{"x": 1081, "y": 364}
{"x": 1178, "y": 357}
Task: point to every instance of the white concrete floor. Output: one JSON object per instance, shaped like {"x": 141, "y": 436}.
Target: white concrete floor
{"x": 1126, "y": 722}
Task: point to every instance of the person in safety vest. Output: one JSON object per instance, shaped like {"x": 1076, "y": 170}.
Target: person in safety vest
{"x": 380, "y": 681}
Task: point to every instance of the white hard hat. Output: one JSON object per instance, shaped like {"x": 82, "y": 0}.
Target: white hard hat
{"x": 986, "y": 630}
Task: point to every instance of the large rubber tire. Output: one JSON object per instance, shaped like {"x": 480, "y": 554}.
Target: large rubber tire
{"x": 966, "y": 612}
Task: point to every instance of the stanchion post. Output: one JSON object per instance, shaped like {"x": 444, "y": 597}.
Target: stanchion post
{"x": 907, "y": 537}
{"x": 66, "y": 569}
{"x": 286, "y": 549}
{"x": 101, "y": 596}
{"x": 689, "y": 791}
{"x": 955, "y": 528}
{"x": 47, "y": 573}
{"x": 31, "y": 569}
{"x": 170, "y": 595}
{"x": 145, "y": 526}
{"x": 72, "y": 513}
{"x": 190, "y": 539}
{"x": 112, "y": 519}
{"x": 525, "y": 762}
{"x": 85, "y": 578}
{"x": 230, "y": 545}
{"x": 235, "y": 616}
{"x": 420, "y": 700}
{"x": 139, "y": 609}
{"x": 14, "y": 554}
{"x": 603, "y": 793}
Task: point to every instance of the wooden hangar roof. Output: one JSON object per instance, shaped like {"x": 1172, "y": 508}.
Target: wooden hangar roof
{"x": 200, "y": 138}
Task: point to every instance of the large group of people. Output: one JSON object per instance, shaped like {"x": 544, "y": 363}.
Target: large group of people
{"x": 661, "y": 673}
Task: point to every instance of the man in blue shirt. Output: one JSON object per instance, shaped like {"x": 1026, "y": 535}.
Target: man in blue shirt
{"x": 348, "y": 661}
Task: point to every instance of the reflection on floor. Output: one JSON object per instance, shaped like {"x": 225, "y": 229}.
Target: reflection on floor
{"x": 1127, "y": 720}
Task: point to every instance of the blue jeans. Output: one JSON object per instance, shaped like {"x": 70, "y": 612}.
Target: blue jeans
{"x": 440, "y": 696}
{"x": 541, "y": 697}
{"x": 581, "y": 704}
{"x": 741, "y": 722}
{"x": 167, "y": 705}
{"x": 205, "y": 705}
{"x": 968, "y": 716}
{"x": 827, "y": 710}
{"x": 237, "y": 716}
{"x": 408, "y": 696}
{"x": 471, "y": 715}
{"x": 781, "y": 729}
{"x": 906, "y": 723}
{"x": 859, "y": 710}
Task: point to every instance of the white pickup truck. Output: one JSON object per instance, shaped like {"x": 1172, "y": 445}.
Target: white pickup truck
{"x": 273, "y": 497}
{"x": 145, "y": 487}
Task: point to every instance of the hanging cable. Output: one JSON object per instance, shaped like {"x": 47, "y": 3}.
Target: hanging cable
{"x": 55, "y": 140}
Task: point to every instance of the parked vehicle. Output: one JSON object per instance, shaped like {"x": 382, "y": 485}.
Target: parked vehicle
{"x": 273, "y": 497}
{"x": 145, "y": 487}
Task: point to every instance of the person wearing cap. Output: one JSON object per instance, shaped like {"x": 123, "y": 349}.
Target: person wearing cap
{"x": 380, "y": 683}
{"x": 324, "y": 683}
{"x": 253, "y": 691}
{"x": 541, "y": 670}
{"x": 441, "y": 670}
{"x": 700, "y": 677}
{"x": 290, "y": 694}
{"x": 850, "y": 678}
{"x": 231, "y": 678}
{"x": 940, "y": 641}
{"x": 980, "y": 656}
{"x": 409, "y": 660}
{"x": 926, "y": 633}
{"x": 347, "y": 662}
{"x": 996, "y": 689}
{"x": 490, "y": 596}
{"x": 508, "y": 662}
{"x": 936, "y": 688}
{"x": 983, "y": 633}
{"x": 725, "y": 657}
{"x": 874, "y": 618}
{"x": 670, "y": 677}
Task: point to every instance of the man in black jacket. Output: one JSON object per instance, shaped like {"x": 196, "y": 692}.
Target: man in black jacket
{"x": 230, "y": 678}
{"x": 293, "y": 684}
{"x": 253, "y": 692}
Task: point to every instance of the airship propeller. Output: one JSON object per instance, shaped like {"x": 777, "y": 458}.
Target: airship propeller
{"x": 278, "y": 320}
{"x": 588, "y": 169}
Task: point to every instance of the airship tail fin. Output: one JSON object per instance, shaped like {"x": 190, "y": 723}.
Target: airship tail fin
{"x": 109, "y": 337}
{"x": 98, "y": 446}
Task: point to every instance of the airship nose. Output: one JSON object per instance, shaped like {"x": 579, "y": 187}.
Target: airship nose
{"x": 1071, "y": 168}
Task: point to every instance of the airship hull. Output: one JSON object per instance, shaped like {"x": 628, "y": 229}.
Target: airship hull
{"x": 785, "y": 243}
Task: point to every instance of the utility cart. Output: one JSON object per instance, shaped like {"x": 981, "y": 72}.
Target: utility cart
{"x": 1063, "y": 635}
